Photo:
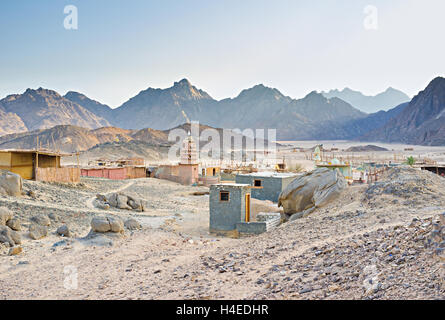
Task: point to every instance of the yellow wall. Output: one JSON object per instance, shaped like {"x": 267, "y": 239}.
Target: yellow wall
{"x": 209, "y": 171}
{"x": 22, "y": 164}
{"x": 5, "y": 159}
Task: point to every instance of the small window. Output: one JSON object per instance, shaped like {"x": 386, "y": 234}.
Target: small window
{"x": 224, "y": 196}
{"x": 258, "y": 183}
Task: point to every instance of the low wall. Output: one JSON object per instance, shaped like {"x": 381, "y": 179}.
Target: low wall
{"x": 69, "y": 175}
{"x": 115, "y": 173}
{"x": 257, "y": 227}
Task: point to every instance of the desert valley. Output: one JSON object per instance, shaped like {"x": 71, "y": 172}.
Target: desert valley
{"x": 382, "y": 238}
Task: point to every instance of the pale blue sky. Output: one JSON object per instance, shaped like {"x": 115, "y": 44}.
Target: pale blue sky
{"x": 222, "y": 47}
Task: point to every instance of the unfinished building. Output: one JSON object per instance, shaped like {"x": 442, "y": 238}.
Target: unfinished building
{"x": 38, "y": 165}
{"x": 266, "y": 185}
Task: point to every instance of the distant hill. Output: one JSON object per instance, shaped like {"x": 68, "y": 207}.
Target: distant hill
{"x": 67, "y": 138}
{"x": 367, "y": 148}
{"x": 316, "y": 116}
{"x": 42, "y": 109}
{"x": 102, "y": 110}
{"x": 421, "y": 122}
{"x": 257, "y": 107}
{"x": 164, "y": 108}
{"x": 370, "y": 104}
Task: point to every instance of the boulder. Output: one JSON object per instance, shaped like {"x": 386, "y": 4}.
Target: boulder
{"x": 311, "y": 190}
{"x": 112, "y": 200}
{"x": 135, "y": 204}
{"x": 11, "y": 183}
{"x": 100, "y": 224}
{"x": 5, "y": 215}
{"x": 9, "y": 236}
{"x": 63, "y": 231}
{"x": 122, "y": 202}
{"x": 37, "y": 231}
{"x": 132, "y": 224}
{"x": 16, "y": 237}
{"x": 41, "y": 220}
{"x": 107, "y": 224}
{"x": 116, "y": 224}
{"x": 15, "y": 224}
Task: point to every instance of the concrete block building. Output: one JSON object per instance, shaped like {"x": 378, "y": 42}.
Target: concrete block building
{"x": 266, "y": 185}
{"x": 229, "y": 204}
{"x": 230, "y": 212}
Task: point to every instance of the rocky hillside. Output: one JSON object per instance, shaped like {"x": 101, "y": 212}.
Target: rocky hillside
{"x": 421, "y": 122}
{"x": 102, "y": 110}
{"x": 313, "y": 117}
{"x": 42, "y": 109}
{"x": 164, "y": 108}
{"x": 370, "y": 104}
{"x": 10, "y": 122}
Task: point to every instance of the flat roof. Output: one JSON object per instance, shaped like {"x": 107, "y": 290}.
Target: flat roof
{"x": 47, "y": 153}
{"x": 231, "y": 184}
{"x": 270, "y": 174}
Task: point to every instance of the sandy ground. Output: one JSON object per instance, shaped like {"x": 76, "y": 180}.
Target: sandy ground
{"x": 373, "y": 232}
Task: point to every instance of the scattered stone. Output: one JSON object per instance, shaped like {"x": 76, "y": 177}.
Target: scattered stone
{"x": 15, "y": 224}
{"x": 37, "y": 232}
{"x": 53, "y": 217}
{"x": 9, "y": 236}
{"x": 42, "y": 220}
{"x": 15, "y": 251}
{"x": 5, "y": 215}
{"x": 132, "y": 224}
{"x": 101, "y": 205}
{"x": 64, "y": 231}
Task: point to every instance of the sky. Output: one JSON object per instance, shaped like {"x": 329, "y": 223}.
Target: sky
{"x": 122, "y": 47}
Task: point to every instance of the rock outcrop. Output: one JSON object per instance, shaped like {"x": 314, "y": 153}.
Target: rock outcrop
{"x": 310, "y": 191}
{"x": 120, "y": 201}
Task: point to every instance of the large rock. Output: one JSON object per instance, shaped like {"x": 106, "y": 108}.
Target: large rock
{"x": 5, "y": 215}
{"x": 37, "y": 231}
{"x": 10, "y": 183}
{"x": 9, "y": 236}
{"x": 107, "y": 224}
{"x": 15, "y": 224}
{"x": 122, "y": 201}
{"x": 312, "y": 190}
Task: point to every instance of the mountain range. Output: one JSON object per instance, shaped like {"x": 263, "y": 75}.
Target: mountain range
{"x": 316, "y": 116}
{"x": 370, "y": 104}
{"x": 421, "y": 122}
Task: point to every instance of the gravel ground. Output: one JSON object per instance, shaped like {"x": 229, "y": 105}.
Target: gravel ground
{"x": 369, "y": 244}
